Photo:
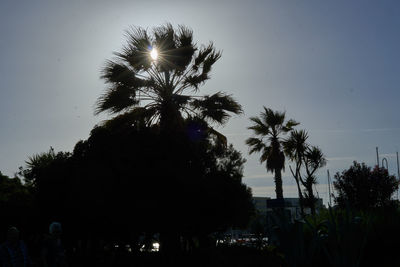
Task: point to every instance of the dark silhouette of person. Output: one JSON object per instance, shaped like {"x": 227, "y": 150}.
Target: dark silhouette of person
{"x": 13, "y": 252}
{"x": 53, "y": 253}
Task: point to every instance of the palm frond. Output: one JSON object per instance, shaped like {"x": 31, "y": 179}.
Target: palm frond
{"x": 114, "y": 72}
{"x": 315, "y": 158}
{"x": 296, "y": 144}
{"x": 202, "y": 55}
{"x": 195, "y": 80}
{"x": 259, "y": 127}
{"x": 116, "y": 99}
{"x": 136, "y": 52}
{"x": 274, "y": 119}
{"x": 255, "y": 144}
{"x": 210, "y": 60}
{"x": 289, "y": 125}
{"x": 41, "y": 159}
{"x": 185, "y": 48}
{"x": 137, "y": 115}
{"x": 216, "y": 107}
{"x": 180, "y": 100}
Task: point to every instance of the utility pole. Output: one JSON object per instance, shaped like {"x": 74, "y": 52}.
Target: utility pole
{"x": 329, "y": 188}
{"x": 398, "y": 172}
{"x": 377, "y": 157}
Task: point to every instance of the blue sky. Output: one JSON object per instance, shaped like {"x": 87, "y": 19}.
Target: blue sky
{"x": 332, "y": 65}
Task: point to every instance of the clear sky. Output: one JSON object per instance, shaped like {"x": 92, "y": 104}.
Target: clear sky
{"x": 332, "y": 65}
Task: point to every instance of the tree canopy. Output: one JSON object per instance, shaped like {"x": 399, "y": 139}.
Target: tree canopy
{"x": 361, "y": 187}
{"x": 16, "y": 203}
{"x": 163, "y": 90}
{"x": 123, "y": 181}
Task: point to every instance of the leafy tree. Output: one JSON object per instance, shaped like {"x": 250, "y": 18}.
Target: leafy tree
{"x": 16, "y": 203}
{"x": 48, "y": 177}
{"x": 270, "y": 126}
{"x": 165, "y": 89}
{"x": 361, "y": 187}
{"x": 194, "y": 191}
{"x": 12, "y": 190}
{"x": 119, "y": 184}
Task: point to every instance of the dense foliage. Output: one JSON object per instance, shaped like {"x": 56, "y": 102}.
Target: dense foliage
{"x": 124, "y": 181}
{"x": 361, "y": 187}
{"x": 16, "y": 203}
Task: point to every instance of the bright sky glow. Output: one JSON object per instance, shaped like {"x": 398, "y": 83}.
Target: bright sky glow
{"x": 154, "y": 54}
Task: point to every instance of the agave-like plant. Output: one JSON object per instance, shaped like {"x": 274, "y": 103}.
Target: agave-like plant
{"x": 156, "y": 77}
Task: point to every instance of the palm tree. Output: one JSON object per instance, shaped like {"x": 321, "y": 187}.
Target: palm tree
{"x": 155, "y": 79}
{"x": 307, "y": 157}
{"x": 313, "y": 160}
{"x": 270, "y": 126}
{"x": 295, "y": 147}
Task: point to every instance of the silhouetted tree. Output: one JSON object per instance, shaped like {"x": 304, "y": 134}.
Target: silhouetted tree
{"x": 194, "y": 191}
{"x": 270, "y": 126}
{"x": 313, "y": 160}
{"x": 49, "y": 178}
{"x": 165, "y": 89}
{"x": 16, "y": 203}
{"x": 157, "y": 166}
{"x": 295, "y": 147}
{"x": 362, "y": 188}
{"x": 307, "y": 158}
{"x": 120, "y": 184}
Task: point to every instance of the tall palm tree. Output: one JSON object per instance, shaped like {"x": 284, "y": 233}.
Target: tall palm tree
{"x": 156, "y": 78}
{"x": 270, "y": 126}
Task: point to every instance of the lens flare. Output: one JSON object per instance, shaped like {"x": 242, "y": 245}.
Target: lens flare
{"x": 154, "y": 54}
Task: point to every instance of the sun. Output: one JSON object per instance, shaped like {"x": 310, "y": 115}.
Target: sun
{"x": 154, "y": 54}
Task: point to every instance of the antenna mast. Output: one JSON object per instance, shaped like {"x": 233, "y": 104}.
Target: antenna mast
{"x": 329, "y": 188}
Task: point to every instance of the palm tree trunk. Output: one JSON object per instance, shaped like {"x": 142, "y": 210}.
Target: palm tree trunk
{"x": 311, "y": 199}
{"x": 171, "y": 120}
{"x": 278, "y": 184}
{"x": 300, "y": 197}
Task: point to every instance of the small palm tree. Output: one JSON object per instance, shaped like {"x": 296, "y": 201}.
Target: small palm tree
{"x": 313, "y": 160}
{"x": 156, "y": 80}
{"x": 295, "y": 147}
{"x": 270, "y": 126}
{"x": 307, "y": 157}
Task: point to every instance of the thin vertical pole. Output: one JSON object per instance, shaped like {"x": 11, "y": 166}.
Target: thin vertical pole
{"x": 329, "y": 188}
{"x": 398, "y": 172}
{"x": 377, "y": 157}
